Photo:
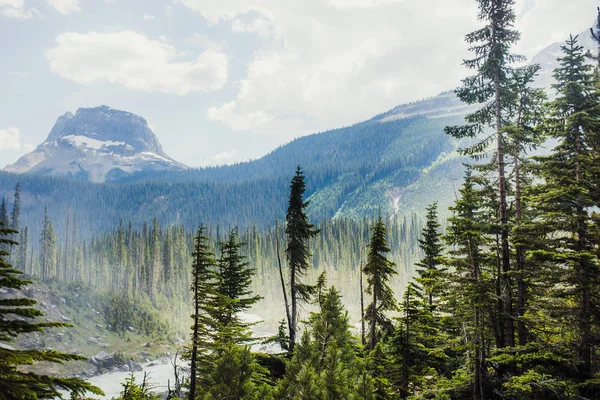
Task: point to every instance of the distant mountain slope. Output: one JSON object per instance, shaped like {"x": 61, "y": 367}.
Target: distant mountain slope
{"x": 97, "y": 144}
{"x": 397, "y": 162}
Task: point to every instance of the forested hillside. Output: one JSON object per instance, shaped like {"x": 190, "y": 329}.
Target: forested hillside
{"x": 354, "y": 171}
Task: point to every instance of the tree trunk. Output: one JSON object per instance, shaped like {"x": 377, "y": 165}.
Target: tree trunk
{"x": 285, "y": 298}
{"x": 509, "y": 329}
{"x": 362, "y": 309}
{"x": 373, "y": 322}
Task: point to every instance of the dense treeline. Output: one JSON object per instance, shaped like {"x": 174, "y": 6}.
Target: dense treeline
{"x": 505, "y": 300}
{"x": 341, "y": 166}
{"x": 503, "y": 306}
{"x": 145, "y": 270}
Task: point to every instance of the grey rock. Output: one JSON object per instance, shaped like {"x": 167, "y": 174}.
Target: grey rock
{"x": 103, "y": 360}
{"x": 97, "y": 144}
{"x": 134, "y": 367}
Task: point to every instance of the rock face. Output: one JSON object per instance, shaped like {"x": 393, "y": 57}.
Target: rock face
{"x": 97, "y": 144}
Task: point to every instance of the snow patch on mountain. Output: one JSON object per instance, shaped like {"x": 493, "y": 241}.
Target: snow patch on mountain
{"x": 94, "y": 143}
{"x": 98, "y": 144}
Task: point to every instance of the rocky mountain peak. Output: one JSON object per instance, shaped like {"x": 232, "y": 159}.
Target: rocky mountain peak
{"x": 97, "y": 144}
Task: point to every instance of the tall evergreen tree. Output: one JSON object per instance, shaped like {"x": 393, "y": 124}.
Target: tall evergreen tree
{"x": 491, "y": 47}
{"x": 202, "y": 288}
{"x": 471, "y": 293}
{"x": 379, "y": 270}
{"x": 16, "y": 210}
{"x": 16, "y": 318}
{"x": 48, "y": 249}
{"x": 566, "y": 198}
{"x": 233, "y": 293}
{"x": 298, "y": 231}
{"x": 429, "y": 268}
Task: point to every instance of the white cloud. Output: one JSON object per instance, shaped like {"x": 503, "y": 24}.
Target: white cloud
{"x": 29, "y": 147}
{"x": 10, "y": 139}
{"x": 225, "y": 157}
{"x": 261, "y": 26}
{"x": 148, "y": 16}
{"x": 16, "y": 9}
{"x": 65, "y": 6}
{"x": 130, "y": 59}
{"x": 549, "y": 21}
{"x": 329, "y": 63}
{"x": 204, "y": 42}
{"x": 324, "y": 64}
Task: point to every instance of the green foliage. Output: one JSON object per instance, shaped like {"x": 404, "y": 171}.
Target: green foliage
{"x": 134, "y": 391}
{"x": 237, "y": 375}
{"x": 16, "y": 318}
{"x": 298, "y": 232}
{"x": 379, "y": 270}
{"x": 123, "y": 312}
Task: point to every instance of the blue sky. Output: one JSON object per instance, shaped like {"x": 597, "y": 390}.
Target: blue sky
{"x": 227, "y": 80}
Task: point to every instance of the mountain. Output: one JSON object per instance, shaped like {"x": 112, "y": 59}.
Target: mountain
{"x": 97, "y": 144}
{"x": 397, "y": 162}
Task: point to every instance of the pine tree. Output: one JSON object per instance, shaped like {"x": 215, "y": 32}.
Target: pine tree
{"x": 429, "y": 268}
{"x": 522, "y": 137}
{"x": 47, "y": 249}
{"x": 491, "y": 46}
{"x": 237, "y": 376}
{"x": 202, "y": 288}
{"x": 298, "y": 231}
{"x": 417, "y": 346}
{"x": 471, "y": 294}
{"x": 233, "y": 293}
{"x": 379, "y": 270}
{"x": 564, "y": 202}
{"x": 14, "y": 382}
{"x": 16, "y": 211}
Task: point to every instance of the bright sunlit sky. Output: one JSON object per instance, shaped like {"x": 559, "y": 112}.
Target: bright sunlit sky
{"x": 227, "y": 80}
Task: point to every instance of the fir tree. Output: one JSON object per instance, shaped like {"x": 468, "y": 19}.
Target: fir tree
{"x": 237, "y": 376}
{"x": 564, "y": 204}
{"x": 379, "y": 270}
{"x": 523, "y": 136}
{"x": 298, "y": 231}
{"x": 417, "y": 346}
{"x": 233, "y": 293}
{"x": 490, "y": 86}
{"x": 15, "y": 383}
{"x": 429, "y": 268}
{"x": 48, "y": 249}
{"x": 16, "y": 211}
{"x": 471, "y": 294}
{"x": 202, "y": 288}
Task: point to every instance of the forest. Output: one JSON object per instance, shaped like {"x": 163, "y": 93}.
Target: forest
{"x": 499, "y": 301}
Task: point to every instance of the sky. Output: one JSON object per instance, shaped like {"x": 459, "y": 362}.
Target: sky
{"x": 222, "y": 81}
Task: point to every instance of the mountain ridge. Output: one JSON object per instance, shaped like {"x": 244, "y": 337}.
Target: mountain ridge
{"x": 98, "y": 144}
{"x": 397, "y": 162}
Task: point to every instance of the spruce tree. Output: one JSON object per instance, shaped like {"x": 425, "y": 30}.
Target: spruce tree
{"x": 565, "y": 202}
{"x": 237, "y": 376}
{"x": 47, "y": 249}
{"x": 298, "y": 231}
{"x": 378, "y": 270}
{"x": 16, "y": 211}
{"x": 492, "y": 62}
{"x": 522, "y": 137}
{"x": 233, "y": 293}
{"x": 16, "y": 318}
{"x": 429, "y": 268}
{"x": 202, "y": 288}
{"x": 417, "y": 345}
{"x": 470, "y": 296}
